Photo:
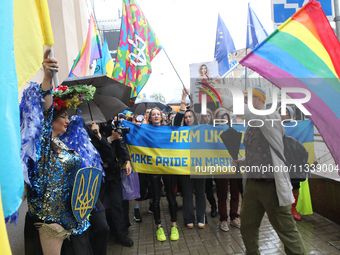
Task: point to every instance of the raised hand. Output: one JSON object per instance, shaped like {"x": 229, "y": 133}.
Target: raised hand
{"x": 50, "y": 65}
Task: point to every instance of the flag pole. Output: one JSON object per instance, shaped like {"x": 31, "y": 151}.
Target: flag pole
{"x": 177, "y": 73}
{"x": 55, "y": 76}
{"x": 245, "y": 75}
{"x": 230, "y": 70}
{"x": 231, "y": 60}
{"x": 337, "y": 18}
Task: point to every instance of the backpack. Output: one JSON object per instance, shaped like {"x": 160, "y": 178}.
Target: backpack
{"x": 296, "y": 158}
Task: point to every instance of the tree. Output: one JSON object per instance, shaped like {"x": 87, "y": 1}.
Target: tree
{"x": 158, "y": 96}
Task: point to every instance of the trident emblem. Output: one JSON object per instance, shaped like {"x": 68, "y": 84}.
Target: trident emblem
{"x": 85, "y": 192}
{"x": 140, "y": 58}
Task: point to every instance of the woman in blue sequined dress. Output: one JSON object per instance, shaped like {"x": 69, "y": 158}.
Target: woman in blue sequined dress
{"x": 51, "y": 174}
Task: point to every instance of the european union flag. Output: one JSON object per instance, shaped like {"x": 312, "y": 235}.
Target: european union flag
{"x": 224, "y": 46}
{"x": 255, "y": 31}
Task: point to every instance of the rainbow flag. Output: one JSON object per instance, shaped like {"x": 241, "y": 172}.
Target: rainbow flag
{"x": 138, "y": 45}
{"x": 91, "y": 50}
{"x": 304, "y": 53}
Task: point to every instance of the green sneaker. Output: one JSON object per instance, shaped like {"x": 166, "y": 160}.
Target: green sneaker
{"x": 160, "y": 234}
{"x": 174, "y": 233}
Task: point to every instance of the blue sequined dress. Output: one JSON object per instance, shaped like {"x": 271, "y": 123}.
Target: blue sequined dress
{"x": 51, "y": 176}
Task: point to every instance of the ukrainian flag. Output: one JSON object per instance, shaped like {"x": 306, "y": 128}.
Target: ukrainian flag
{"x": 105, "y": 63}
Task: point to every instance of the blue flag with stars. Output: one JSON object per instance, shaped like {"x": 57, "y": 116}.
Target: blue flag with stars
{"x": 255, "y": 31}
{"x": 224, "y": 46}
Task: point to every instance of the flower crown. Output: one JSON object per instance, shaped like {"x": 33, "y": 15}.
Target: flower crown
{"x": 72, "y": 97}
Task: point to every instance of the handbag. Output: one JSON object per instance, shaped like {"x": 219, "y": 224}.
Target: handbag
{"x": 304, "y": 203}
{"x": 130, "y": 186}
{"x": 295, "y": 158}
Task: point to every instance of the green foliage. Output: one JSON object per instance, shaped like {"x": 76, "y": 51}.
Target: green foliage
{"x": 158, "y": 96}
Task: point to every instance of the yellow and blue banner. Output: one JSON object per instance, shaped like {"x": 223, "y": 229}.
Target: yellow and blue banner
{"x": 193, "y": 149}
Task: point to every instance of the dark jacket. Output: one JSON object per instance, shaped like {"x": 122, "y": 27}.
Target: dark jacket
{"x": 179, "y": 117}
{"x": 114, "y": 155}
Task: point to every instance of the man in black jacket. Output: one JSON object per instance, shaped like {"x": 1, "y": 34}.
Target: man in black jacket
{"x": 114, "y": 154}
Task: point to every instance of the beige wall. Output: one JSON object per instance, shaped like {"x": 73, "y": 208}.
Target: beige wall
{"x": 69, "y": 24}
{"x": 82, "y": 16}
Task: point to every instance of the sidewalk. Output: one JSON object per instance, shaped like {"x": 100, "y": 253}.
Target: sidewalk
{"x": 320, "y": 236}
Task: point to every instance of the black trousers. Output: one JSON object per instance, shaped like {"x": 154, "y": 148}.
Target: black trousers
{"x": 31, "y": 236}
{"x": 99, "y": 230}
{"x": 111, "y": 196}
{"x": 209, "y": 191}
{"x": 77, "y": 245}
{"x": 189, "y": 185}
{"x": 170, "y": 182}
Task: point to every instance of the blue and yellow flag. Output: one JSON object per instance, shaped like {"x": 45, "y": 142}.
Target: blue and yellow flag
{"x": 105, "y": 63}
{"x": 11, "y": 176}
{"x": 32, "y": 31}
{"x": 193, "y": 150}
{"x": 4, "y": 243}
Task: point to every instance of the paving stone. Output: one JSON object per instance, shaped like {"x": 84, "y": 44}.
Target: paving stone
{"x": 272, "y": 251}
{"x": 320, "y": 236}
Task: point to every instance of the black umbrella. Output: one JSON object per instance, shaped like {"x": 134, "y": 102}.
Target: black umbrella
{"x": 90, "y": 112}
{"x": 167, "y": 109}
{"x": 111, "y": 97}
{"x": 142, "y": 104}
{"x": 232, "y": 141}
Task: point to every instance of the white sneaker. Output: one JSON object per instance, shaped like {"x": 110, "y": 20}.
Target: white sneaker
{"x": 201, "y": 225}
{"x": 224, "y": 226}
{"x": 190, "y": 225}
{"x": 236, "y": 222}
